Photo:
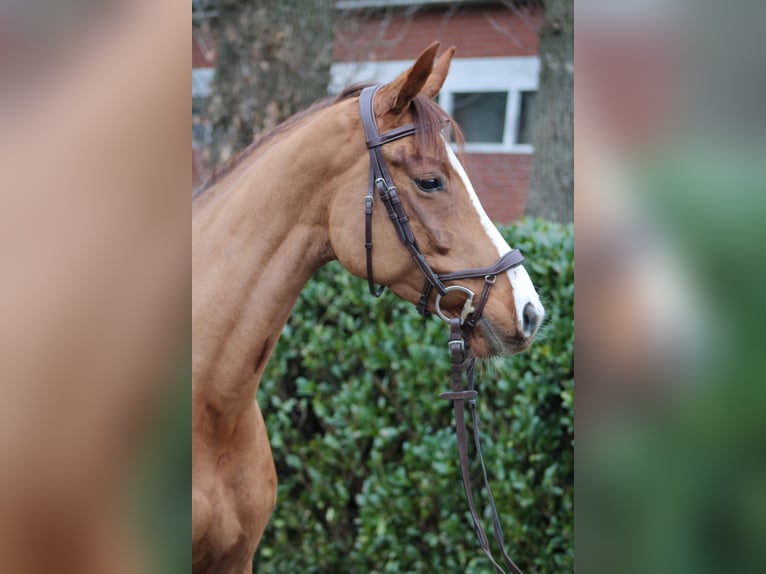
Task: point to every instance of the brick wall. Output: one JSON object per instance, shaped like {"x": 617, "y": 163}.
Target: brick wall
{"x": 488, "y": 31}
{"x": 501, "y": 179}
{"x": 477, "y": 31}
{"x": 501, "y": 182}
{"x": 203, "y": 58}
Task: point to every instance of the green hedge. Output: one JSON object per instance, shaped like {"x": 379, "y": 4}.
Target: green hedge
{"x": 365, "y": 449}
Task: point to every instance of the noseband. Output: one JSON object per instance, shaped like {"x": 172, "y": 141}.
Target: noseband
{"x": 461, "y": 327}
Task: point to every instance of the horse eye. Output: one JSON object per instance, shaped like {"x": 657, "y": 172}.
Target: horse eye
{"x": 430, "y": 184}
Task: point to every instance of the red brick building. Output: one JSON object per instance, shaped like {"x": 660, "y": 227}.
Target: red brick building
{"x": 490, "y": 90}
{"x": 203, "y": 68}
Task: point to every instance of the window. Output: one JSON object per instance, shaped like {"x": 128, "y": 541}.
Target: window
{"x": 525, "y": 128}
{"x": 202, "y": 78}
{"x": 481, "y": 115}
{"x": 495, "y": 121}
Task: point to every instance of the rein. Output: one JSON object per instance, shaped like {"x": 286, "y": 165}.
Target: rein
{"x": 461, "y": 328}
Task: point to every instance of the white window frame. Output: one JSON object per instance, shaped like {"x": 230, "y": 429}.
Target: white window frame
{"x": 467, "y": 75}
{"x": 202, "y": 79}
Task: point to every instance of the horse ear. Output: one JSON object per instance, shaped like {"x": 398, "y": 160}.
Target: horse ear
{"x": 396, "y": 96}
{"x": 439, "y": 73}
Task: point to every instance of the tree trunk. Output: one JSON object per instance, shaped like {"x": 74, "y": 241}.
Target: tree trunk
{"x": 274, "y": 60}
{"x": 551, "y": 183}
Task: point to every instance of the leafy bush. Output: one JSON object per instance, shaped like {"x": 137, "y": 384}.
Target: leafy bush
{"x": 366, "y": 451}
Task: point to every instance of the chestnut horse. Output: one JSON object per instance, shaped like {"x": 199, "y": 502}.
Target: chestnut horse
{"x": 287, "y": 206}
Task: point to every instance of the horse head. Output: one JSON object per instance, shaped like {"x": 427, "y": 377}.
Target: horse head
{"x": 439, "y": 205}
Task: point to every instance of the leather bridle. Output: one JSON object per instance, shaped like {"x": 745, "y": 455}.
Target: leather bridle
{"x": 380, "y": 180}
{"x": 461, "y": 328}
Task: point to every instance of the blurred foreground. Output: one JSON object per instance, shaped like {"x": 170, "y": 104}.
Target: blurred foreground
{"x": 670, "y": 211}
{"x": 94, "y": 289}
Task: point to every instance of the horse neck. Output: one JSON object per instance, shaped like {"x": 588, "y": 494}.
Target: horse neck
{"x": 255, "y": 245}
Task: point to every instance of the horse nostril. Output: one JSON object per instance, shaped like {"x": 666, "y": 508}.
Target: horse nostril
{"x": 531, "y": 319}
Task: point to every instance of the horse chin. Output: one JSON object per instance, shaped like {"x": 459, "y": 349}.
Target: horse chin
{"x": 489, "y": 340}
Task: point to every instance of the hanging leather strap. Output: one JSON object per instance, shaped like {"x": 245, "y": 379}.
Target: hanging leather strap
{"x": 461, "y": 360}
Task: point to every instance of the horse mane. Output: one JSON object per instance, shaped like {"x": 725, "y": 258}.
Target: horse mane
{"x": 428, "y": 117}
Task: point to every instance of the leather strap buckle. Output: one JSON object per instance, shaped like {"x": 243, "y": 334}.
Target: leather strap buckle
{"x": 382, "y": 186}
{"x": 457, "y": 345}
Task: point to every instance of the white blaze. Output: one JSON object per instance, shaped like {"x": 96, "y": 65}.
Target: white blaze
{"x": 523, "y": 290}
